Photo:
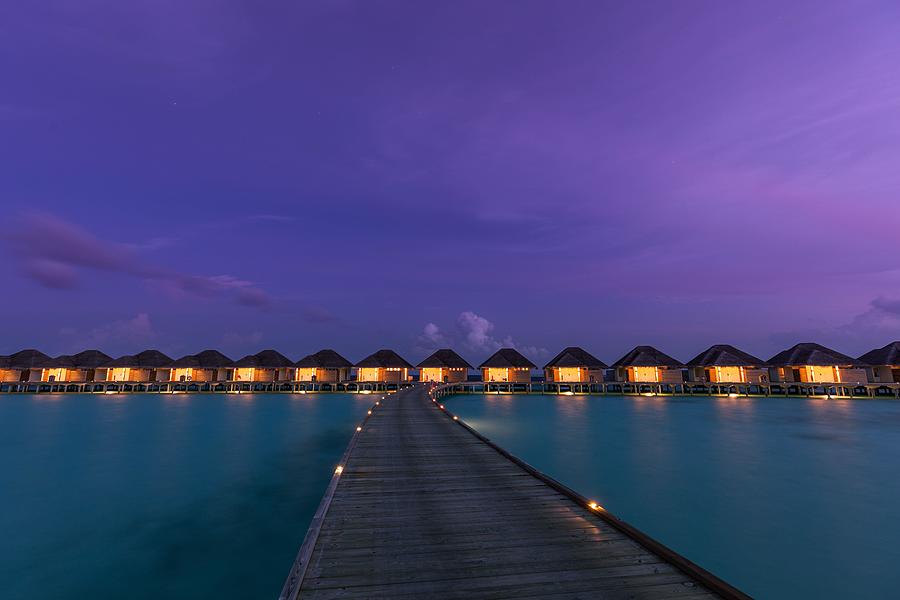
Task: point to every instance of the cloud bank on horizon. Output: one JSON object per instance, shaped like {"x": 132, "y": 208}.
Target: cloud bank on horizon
{"x": 339, "y": 174}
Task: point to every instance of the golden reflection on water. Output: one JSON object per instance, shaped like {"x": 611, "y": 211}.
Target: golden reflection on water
{"x": 570, "y": 406}
{"x": 502, "y": 403}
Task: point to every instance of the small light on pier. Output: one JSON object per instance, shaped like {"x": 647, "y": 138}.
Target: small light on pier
{"x": 442, "y": 407}
{"x": 595, "y": 506}
{"x": 732, "y": 395}
{"x": 455, "y": 418}
{"x": 369, "y": 413}
{"x": 339, "y": 469}
{"x": 359, "y": 429}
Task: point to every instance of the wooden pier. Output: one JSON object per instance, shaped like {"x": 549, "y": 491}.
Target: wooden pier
{"x": 422, "y": 506}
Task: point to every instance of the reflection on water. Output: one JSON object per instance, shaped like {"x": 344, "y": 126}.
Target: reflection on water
{"x": 785, "y": 498}
{"x": 161, "y": 496}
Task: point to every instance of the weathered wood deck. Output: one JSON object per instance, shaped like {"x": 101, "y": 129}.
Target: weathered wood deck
{"x": 425, "y": 508}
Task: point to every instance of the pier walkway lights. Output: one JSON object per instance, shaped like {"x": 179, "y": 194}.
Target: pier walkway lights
{"x": 358, "y": 428}
{"x": 339, "y": 469}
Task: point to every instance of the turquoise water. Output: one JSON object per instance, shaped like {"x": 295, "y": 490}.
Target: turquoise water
{"x": 162, "y": 496}
{"x": 784, "y": 498}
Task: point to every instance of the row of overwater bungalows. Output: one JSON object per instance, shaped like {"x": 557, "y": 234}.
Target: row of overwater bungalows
{"x": 803, "y": 363}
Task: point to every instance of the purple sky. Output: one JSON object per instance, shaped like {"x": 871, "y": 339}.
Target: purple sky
{"x": 295, "y": 175}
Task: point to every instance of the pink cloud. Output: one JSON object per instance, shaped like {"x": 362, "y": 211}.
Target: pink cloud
{"x": 55, "y": 251}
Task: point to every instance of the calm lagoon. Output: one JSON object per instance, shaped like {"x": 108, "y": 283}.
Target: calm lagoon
{"x": 784, "y": 498}
{"x": 162, "y": 496}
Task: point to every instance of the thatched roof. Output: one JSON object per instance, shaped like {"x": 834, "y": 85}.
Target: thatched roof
{"x": 27, "y": 359}
{"x": 724, "y": 355}
{"x": 887, "y": 356}
{"x": 809, "y": 353}
{"x": 267, "y": 359}
{"x": 208, "y": 359}
{"x": 444, "y": 358}
{"x": 384, "y": 359}
{"x": 647, "y": 356}
{"x": 148, "y": 359}
{"x": 4, "y": 362}
{"x": 506, "y": 358}
{"x": 88, "y": 359}
{"x": 324, "y": 359}
{"x": 574, "y": 356}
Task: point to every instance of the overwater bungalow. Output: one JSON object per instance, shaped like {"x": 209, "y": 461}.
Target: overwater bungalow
{"x": 268, "y": 365}
{"x": 814, "y": 363}
{"x": 25, "y": 365}
{"x": 723, "y": 363}
{"x": 325, "y": 366}
{"x": 646, "y": 364}
{"x": 80, "y": 367}
{"x": 507, "y": 364}
{"x": 209, "y": 365}
{"x": 883, "y": 364}
{"x": 384, "y": 366}
{"x": 444, "y": 366}
{"x": 575, "y": 365}
{"x": 142, "y": 367}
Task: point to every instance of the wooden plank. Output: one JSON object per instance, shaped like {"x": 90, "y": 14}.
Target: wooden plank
{"x": 425, "y": 508}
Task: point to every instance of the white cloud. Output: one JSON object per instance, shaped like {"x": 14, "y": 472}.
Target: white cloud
{"x": 475, "y": 333}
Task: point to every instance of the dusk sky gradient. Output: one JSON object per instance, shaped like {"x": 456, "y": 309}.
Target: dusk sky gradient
{"x": 357, "y": 175}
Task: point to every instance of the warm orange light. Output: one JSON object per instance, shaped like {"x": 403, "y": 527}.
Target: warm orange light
{"x": 442, "y": 407}
{"x": 455, "y": 418}
{"x": 338, "y": 469}
{"x": 359, "y": 428}
{"x": 370, "y": 412}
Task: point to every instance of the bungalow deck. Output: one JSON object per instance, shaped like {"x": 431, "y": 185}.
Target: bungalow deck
{"x": 421, "y": 506}
{"x": 735, "y": 390}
